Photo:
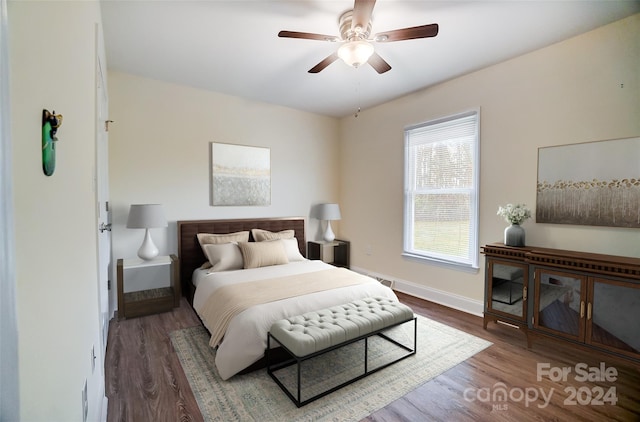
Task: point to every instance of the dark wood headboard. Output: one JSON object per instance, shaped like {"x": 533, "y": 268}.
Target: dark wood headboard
{"x": 190, "y": 253}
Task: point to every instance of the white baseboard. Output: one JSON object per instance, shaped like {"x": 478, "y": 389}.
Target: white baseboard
{"x": 451, "y": 300}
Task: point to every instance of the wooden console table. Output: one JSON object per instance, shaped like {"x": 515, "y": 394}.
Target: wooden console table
{"x": 586, "y": 298}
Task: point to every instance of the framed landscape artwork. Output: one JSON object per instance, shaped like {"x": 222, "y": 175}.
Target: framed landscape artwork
{"x": 594, "y": 183}
{"x": 240, "y": 175}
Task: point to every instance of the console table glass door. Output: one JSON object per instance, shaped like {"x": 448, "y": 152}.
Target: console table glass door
{"x": 560, "y": 303}
{"x": 613, "y": 312}
{"x": 508, "y": 288}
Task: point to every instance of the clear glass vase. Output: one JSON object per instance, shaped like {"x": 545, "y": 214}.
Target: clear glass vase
{"x": 514, "y": 235}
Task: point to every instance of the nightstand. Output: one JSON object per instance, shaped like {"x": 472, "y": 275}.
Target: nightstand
{"x": 334, "y": 253}
{"x": 147, "y": 287}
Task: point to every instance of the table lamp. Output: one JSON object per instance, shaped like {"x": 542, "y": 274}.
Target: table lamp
{"x": 147, "y": 216}
{"x": 329, "y": 212}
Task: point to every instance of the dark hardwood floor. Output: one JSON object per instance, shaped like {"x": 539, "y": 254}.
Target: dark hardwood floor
{"x": 143, "y": 377}
{"x": 145, "y": 382}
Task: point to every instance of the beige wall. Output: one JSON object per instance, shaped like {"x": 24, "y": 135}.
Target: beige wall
{"x": 159, "y": 153}
{"x": 567, "y": 93}
{"x": 52, "y": 60}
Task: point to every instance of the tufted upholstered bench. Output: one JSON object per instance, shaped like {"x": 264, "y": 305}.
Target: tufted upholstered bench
{"x": 312, "y": 334}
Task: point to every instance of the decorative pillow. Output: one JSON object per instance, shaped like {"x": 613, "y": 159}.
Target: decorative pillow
{"x": 292, "y": 250}
{"x": 223, "y": 256}
{"x": 260, "y": 235}
{"x": 208, "y": 238}
{"x": 262, "y": 254}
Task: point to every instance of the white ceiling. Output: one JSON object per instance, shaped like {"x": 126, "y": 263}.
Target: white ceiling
{"x": 232, "y": 47}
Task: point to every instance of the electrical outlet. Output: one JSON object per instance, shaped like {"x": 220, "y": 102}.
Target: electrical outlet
{"x": 85, "y": 403}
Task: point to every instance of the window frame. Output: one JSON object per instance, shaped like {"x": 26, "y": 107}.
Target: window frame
{"x": 472, "y": 262}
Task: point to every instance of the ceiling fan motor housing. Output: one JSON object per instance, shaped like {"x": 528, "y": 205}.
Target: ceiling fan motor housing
{"x": 347, "y": 33}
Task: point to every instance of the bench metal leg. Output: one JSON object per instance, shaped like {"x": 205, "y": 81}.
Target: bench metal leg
{"x": 298, "y": 361}
{"x": 366, "y": 355}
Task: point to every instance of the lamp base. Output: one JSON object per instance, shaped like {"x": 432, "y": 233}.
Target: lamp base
{"x": 328, "y": 233}
{"x": 148, "y": 250}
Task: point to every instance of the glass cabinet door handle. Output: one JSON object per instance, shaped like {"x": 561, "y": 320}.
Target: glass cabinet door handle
{"x": 589, "y": 310}
{"x": 582, "y": 309}
{"x": 524, "y": 293}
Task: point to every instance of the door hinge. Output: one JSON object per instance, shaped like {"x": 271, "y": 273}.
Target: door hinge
{"x": 108, "y": 284}
{"x": 106, "y": 125}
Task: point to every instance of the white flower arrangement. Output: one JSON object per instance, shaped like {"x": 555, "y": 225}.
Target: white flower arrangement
{"x": 515, "y": 214}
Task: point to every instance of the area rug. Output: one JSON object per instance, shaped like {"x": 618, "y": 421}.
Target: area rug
{"x": 256, "y": 397}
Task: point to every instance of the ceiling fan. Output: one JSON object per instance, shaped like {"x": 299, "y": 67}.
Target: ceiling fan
{"x": 355, "y": 29}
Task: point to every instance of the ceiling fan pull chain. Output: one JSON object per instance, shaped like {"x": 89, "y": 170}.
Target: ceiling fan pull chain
{"x": 357, "y": 93}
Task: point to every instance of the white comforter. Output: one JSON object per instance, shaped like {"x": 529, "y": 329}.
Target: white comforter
{"x": 246, "y": 337}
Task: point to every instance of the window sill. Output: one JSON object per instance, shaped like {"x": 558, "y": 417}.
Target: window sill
{"x": 469, "y": 268}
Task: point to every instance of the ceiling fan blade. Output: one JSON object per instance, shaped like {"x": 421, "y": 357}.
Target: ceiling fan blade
{"x": 422, "y": 31}
{"x": 326, "y": 62}
{"x": 378, "y": 63}
{"x": 307, "y": 36}
{"x": 362, "y": 10}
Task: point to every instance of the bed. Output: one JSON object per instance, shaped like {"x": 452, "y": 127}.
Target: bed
{"x": 237, "y": 305}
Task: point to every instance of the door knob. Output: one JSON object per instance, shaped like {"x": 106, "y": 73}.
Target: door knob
{"x": 104, "y": 227}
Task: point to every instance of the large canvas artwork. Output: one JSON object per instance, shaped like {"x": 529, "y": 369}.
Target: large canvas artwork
{"x": 594, "y": 183}
{"x": 240, "y": 175}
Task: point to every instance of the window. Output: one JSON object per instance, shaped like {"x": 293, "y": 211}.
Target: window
{"x": 441, "y": 190}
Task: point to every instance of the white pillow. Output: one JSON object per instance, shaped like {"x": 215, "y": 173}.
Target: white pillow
{"x": 260, "y": 235}
{"x": 223, "y": 256}
{"x": 292, "y": 250}
{"x": 263, "y": 254}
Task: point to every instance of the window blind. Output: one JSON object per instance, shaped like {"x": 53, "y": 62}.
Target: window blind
{"x": 441, "y": 182}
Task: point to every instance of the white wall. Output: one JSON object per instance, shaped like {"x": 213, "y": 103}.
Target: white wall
{"x": 159, "y": 153}
{"x": 566, "y": 93}
{"x": 52, "y": 59}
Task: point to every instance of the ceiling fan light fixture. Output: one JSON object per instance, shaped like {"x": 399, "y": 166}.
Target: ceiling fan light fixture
{"x": 355, "y": 53}
{"x": 355, "y": 28}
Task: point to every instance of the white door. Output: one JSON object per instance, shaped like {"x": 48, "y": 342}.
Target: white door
{"x": 102, "y": 197}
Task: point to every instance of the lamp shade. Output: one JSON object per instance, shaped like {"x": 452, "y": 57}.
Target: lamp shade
{"x": 146, "y": 216}
{"x": 329, "y": 212}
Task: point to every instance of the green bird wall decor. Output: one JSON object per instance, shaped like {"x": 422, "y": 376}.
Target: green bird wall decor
{"x": 50, "y": 124}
